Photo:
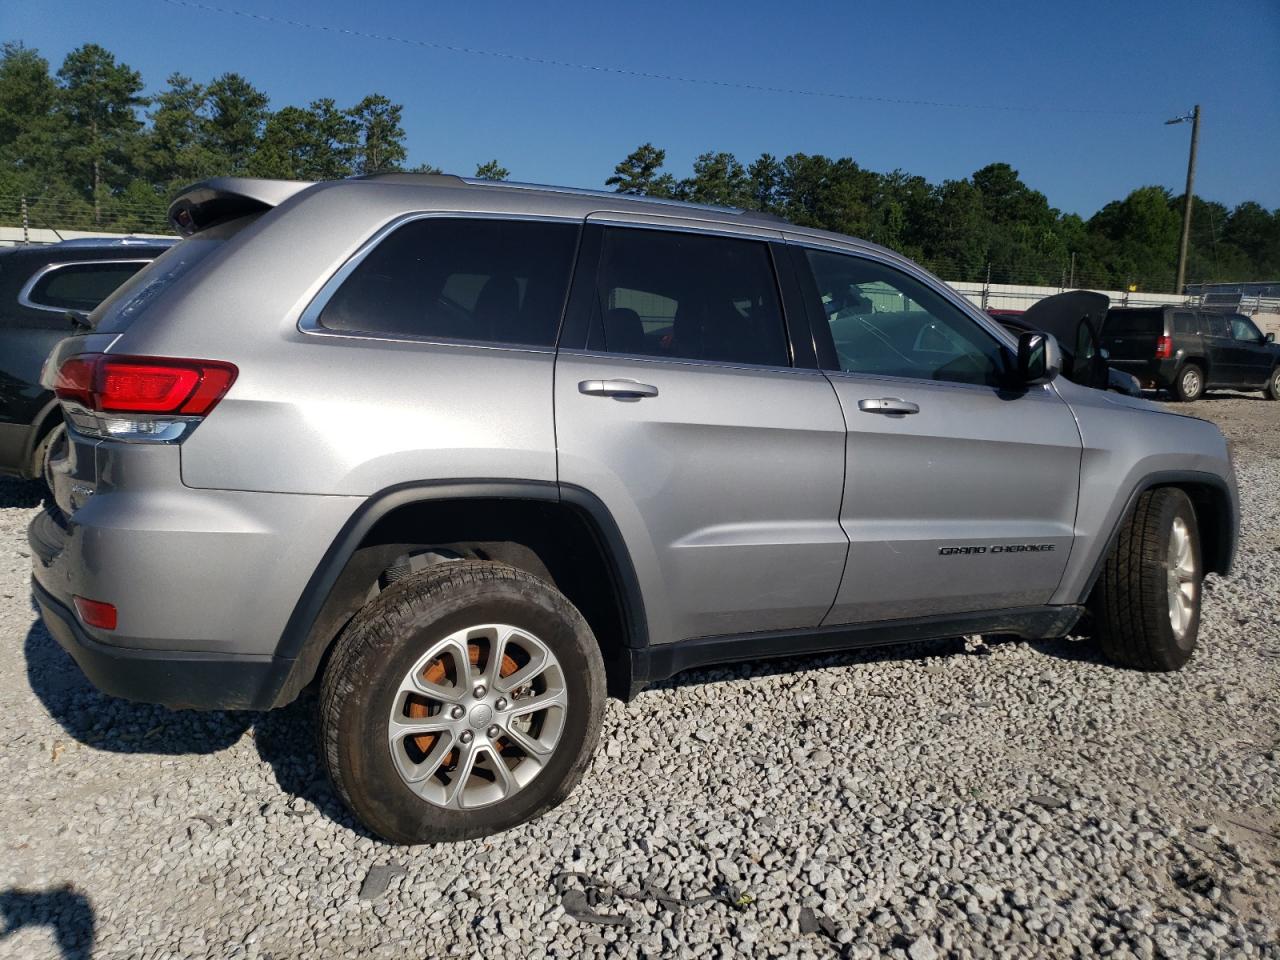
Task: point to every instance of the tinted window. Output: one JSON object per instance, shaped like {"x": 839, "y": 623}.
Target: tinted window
{"x": 474, "y": 279}
{"x": 1215, "y": 325}
{"x": 80, "y": 286}
{"x": 885, "y": 322}
{"x": 1127, "y": 323}
{"x": 144, "y": 288}
{"x": 1242, "y": 328}
{"x": 689, "y": 296}
{"x": 1184, "y": 323}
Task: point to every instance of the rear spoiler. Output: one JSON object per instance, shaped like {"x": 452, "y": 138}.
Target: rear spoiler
{"x": 205, "y": 203}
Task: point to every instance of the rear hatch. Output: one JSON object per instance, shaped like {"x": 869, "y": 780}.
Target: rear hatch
{"x": 1132, "y": 333}
{"x": 209, "y": 215}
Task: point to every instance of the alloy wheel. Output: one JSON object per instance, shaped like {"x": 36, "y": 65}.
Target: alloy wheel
{"x": 1184, "y": 586}
{"x": 478, "y": 716}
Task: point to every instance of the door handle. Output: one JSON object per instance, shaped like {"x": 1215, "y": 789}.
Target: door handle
{"x": 622, "y": 389}
{"x": 888, "y": 405}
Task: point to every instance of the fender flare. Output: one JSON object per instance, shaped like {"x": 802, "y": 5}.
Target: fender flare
{"x": 297, "y": 643}
{"x": 1175, "y": 478}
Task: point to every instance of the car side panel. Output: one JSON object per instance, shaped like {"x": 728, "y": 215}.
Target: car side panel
{"x": 1127, "y": 441}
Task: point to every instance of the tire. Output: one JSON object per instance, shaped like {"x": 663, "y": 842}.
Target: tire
{"x": 49, "y": 445}
{"x": 1133, "y": 604}
{"x": 380, "y": 665}
{"x": 1189, "y": 385}
{"x": 1272, "y": 390}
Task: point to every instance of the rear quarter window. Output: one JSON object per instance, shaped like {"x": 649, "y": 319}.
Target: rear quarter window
{"x": 480, "y": 280}
{"x": 1184, "y": 323}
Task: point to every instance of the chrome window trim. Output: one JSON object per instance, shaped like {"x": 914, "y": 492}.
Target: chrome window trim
{"x": 24, "y": 295}
{"x": 309, "y": 320}
{"x": 751, "y": 232}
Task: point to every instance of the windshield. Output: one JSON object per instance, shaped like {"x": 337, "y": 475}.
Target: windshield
{"x": 130, "y": 299}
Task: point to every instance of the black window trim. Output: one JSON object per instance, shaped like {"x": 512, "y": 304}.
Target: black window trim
{"x": 24, "y": 295}
{"x": 824, "y": 344}
{"x": 577, "y": 326}
{"x": 309, "y": 320}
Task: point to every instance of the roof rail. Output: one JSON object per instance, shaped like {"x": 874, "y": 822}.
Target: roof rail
{"x": 452, "y": 180}
{"x": 205, "y": 203}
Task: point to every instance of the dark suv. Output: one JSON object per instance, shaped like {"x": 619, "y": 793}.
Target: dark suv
{"x": 42, "y": 288}
{"x": 1187, "y": 351}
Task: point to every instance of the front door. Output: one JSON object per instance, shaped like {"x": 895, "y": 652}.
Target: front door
{"x": 720, "y": 461}
{"x": 960, "y": 493}
{"x": 1250, "y": 354}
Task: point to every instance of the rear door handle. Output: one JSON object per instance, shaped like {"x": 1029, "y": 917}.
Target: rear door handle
{"x": 623, "y": 389}
{"x": 888, "y": 405}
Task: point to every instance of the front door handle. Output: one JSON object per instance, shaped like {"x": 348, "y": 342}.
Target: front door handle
{"x": 888, "y": 405}
{"x": 622, "y": 389}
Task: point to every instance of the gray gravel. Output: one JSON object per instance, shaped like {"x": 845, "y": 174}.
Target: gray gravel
{"x": 943, "y": 800}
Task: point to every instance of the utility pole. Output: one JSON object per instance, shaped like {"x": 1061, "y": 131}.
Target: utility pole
{"x": 1194, "y": 118}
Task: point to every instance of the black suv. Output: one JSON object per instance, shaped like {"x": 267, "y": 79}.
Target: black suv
{"x": 43, "y": 290}
{"x": 1186, "y": 351}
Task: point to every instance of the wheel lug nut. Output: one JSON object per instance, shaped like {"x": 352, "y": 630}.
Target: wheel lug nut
{"x": 501, "y": 704}
{"x": 493, "y": 732}
{"x": 480, "y": 690}
{"x": 457, "y": 713}
{"x": 466, "y": 736}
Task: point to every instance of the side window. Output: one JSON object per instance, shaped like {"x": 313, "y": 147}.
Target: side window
{"x": 1184, "y": 323}
{"x": 687, "y": 296}
{"x": 477, "y": 279}
{"x": 1214, "y": 324}
{"x": 80, "y": 286}
{"x": 887, "y": 323}
{"x": 1242, "y": 328}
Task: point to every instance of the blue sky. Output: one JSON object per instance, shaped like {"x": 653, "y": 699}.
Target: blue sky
{"x": 1098, "y": 79}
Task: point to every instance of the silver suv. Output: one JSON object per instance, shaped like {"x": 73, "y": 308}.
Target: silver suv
{"x": 471, "y": 456}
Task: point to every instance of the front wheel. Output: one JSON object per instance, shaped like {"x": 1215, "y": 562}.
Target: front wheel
{"x": 460, "y": 702}
{"x": 1273, "y": 385}
{"x": 1146, "y": 606}
{"x": 1189, "y": 386}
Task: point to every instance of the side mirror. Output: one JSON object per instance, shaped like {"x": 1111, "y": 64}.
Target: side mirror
{"x": 1270, "y": 338}
{"x": 1039, "y": 358}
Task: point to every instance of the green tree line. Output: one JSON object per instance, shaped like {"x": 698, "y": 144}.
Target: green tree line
{"x": 88, "y": 150}
{"x": 989, "y": 221}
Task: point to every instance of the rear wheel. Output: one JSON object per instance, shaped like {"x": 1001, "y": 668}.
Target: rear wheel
{"x": 460, "y": 702}
{"x": 49, "y": 448}
{"x": 1273, "y": 385}
{"x": 1146, "y": 606}
{"x": 1189, "y": 386}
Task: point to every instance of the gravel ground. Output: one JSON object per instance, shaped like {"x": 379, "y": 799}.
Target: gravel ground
{"x": 937, "y": 800}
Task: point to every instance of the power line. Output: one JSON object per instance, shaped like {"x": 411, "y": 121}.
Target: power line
{"x": 639, "y": 74}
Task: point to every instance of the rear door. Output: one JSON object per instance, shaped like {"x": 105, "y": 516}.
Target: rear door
{"x": 678, "y": 406}
{"x": 960, "y": 493}
{"x": 1130, "y": 337}
{"x": 1220, "y": 350}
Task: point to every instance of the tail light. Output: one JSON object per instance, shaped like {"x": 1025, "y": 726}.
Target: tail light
{"x": 157, "y": 399}
{"x": 1164, "y": 348}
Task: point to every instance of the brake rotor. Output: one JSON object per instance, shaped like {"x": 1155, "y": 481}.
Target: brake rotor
{"x": 436, "y": 673}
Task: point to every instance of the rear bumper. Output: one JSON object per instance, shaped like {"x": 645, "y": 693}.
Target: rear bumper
{"x": 172, "y": 678}
{"x": 1150, "y": 373}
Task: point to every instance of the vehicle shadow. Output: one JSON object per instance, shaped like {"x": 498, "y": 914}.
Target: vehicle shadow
{"x": 67, "y": 911}
{"x": 285, "y": 739}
